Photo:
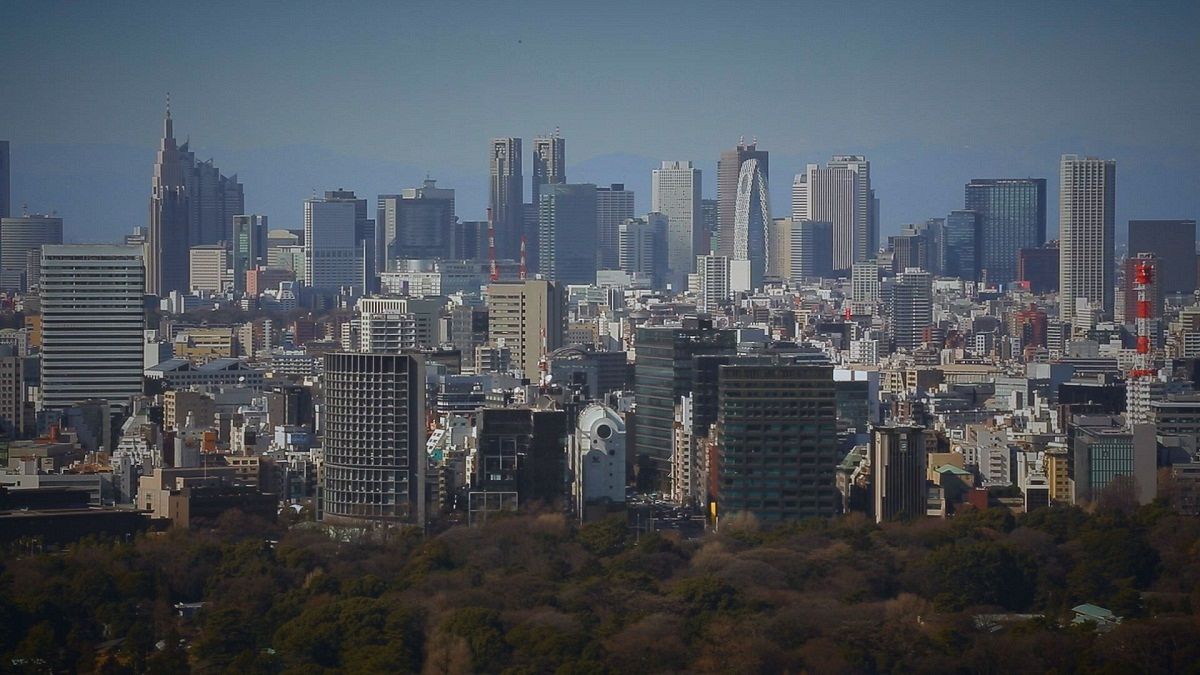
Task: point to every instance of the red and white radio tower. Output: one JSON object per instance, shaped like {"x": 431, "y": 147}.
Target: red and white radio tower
{"x": 1143, "y": 277}
{"x": 492, "y": 246}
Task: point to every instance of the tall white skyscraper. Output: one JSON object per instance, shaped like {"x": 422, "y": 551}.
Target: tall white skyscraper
{"x": 840, "y": 194}
{"x": 719, "y": 279}
{"x": 675, "y": 193}
{"x": 1087, "y": 234}
{"x": 751, "y": 219}
{"x": 331, "y": 251}
{"x": 92, "y": 323}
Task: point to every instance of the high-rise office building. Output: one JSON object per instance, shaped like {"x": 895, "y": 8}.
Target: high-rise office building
{"x": 208, "y": 268}
{"x": 614, "y": 206}
{"x": 708, "y": 218}
{"x": 1173, "y": 243}
{"x": 169, "y": 236}
{"x": 663, "y": 372}
{"x": 909, "y": 249}
{"x": 19, "y": 237}
{"x": 213, "y": 199}
{"x": 5, "y": 181}
{"x": 1087, "y": 236}
{"x": 960, "y": 245}
{"x": 505, "y": 195}
{"x": 864, "y": 282}
{"x": 779, "y": 250}
{"x": 549, "y": 163}
{"x": 1038, "y": 267}
{"x": 93, "y": 323}
{"x": 642, "y": 248}
{"x": 898, "y": 458}
{"x": 729, "y": 169}
{"x": 720, "y": 278}
{"x": 249, "y": 247}
{"x": 751, "y": 219}
{"x": 812, "y": 250}
{"x": 528, "y": 317}
{"x": 776, "y": 440}
{"x": 331, "y": 252}
{"x": 675, "y": 193}
{"x": 566, "y": 244}
{"x": 364, "y": 238}
{"x": 912, "y": 307}
{"x": 840, "y": 194}
{"x": 1012, "y": 216}
{"x": 416, "y": 224}
{"x": 373, "y": 437}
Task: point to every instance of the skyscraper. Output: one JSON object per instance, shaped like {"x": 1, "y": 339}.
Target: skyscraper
{"x": 170, "y": 237}
{"x": 566, "y": 249}
{"x": 364, "y": 238}
{"x": 18, "y": 238}
{"x": 898, "y": 458}
{"x": 249, "y": 246}
{"x": 1173, "y": 242}
{"x": 642, "y": 248}
{"x": 729, "y": 168}
{"x": 527, "y": 316}
{"x": 331, "y": 254}
{"x": 812, "y": 250}
{"x": 751, "y": 218}
{"x": 675, "y": 193}
{"x": 374, "y": 438}
{"x": 418, "y": 223}
{"x": 912, "y": 308}
{"x": 5, "y": 181}
{"x": 92, "y": 323}
{"x": 840, "y": 194}
{"x": 1087, "y": 234}
{"x": 614, "y": 206}
{"x": 777, "y": 444}
{"x": 720, "y": 278}
{"x": 549, "y": 163}
{"x": 960, "y": 245}
{"x": 505, "y": 196}
{"x": 1012, "y": 216}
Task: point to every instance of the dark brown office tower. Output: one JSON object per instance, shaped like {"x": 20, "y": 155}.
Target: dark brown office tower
{"x": 505, "y": 196}
{"x": 1039, "y": 268}
{"x": 727, "y": 179}
{"x": 1173, "y": 242}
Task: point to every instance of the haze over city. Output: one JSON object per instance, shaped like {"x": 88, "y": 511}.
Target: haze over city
{"x": 375, "y": 95}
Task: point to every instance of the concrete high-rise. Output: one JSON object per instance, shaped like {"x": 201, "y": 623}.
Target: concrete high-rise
{"x": 751, "y": 220}
{"x": 5, "y": 181}
{"x": 729, "y": 169}
{"x": 960, "y": 245}
{"x": 898, "y": 458}
{"x": 527, "y": 317}
{"x": 170, "y": 235}
{"x": 1012, "y": 216}
{"x": 416, "y": 224}
{"x": 505, "y": 195}
{"x": 364, "y": 238}
{"x": 566, "y": 244}
{"x": 549, "y": 164}
{"x": 642, "y": 248}
{"x": 864, "y": 282}
{"x": 1087, "y": 235}
{"x": 776, "y": 440}
{"x": 614, "y": 206}
{"x": 1173, "y": 243}
{"x": 373, "y": 438}
{"x": 208, "y": 268}
{"x": 912, "y": 308}
{"x": 331, "y": 252}
{"x": 249, "y": 246}
{"x": 840, "y": 194}
{"x": 675, "y": 193}
{"x": 19, "y": 237}
{"x": 93, "y": 323}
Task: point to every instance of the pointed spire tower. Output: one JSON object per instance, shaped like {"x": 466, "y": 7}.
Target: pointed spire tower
{"x": 167, "y": 246}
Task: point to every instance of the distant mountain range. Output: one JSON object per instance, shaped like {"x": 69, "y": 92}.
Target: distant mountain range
{"x": 101, "y": 191}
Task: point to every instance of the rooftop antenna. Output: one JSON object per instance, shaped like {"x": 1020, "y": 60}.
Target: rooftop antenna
{"x": 556, "y": 131}
{"x": 168, "y": 104}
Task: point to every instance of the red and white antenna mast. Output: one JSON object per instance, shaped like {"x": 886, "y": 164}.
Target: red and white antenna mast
{"x": 1143, "y": 278}
{"x": 495, "y": 271}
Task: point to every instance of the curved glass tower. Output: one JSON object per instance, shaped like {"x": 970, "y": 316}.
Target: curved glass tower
{"x": 751, "y": 218}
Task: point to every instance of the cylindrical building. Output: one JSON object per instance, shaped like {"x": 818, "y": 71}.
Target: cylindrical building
{"x": 374, "y": 438}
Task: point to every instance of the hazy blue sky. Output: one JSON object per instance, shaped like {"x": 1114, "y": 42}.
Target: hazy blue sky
{"x": 935, "y": 93}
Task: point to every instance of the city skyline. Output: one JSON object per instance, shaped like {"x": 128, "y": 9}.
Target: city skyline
{"x": 925, "y": 128}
